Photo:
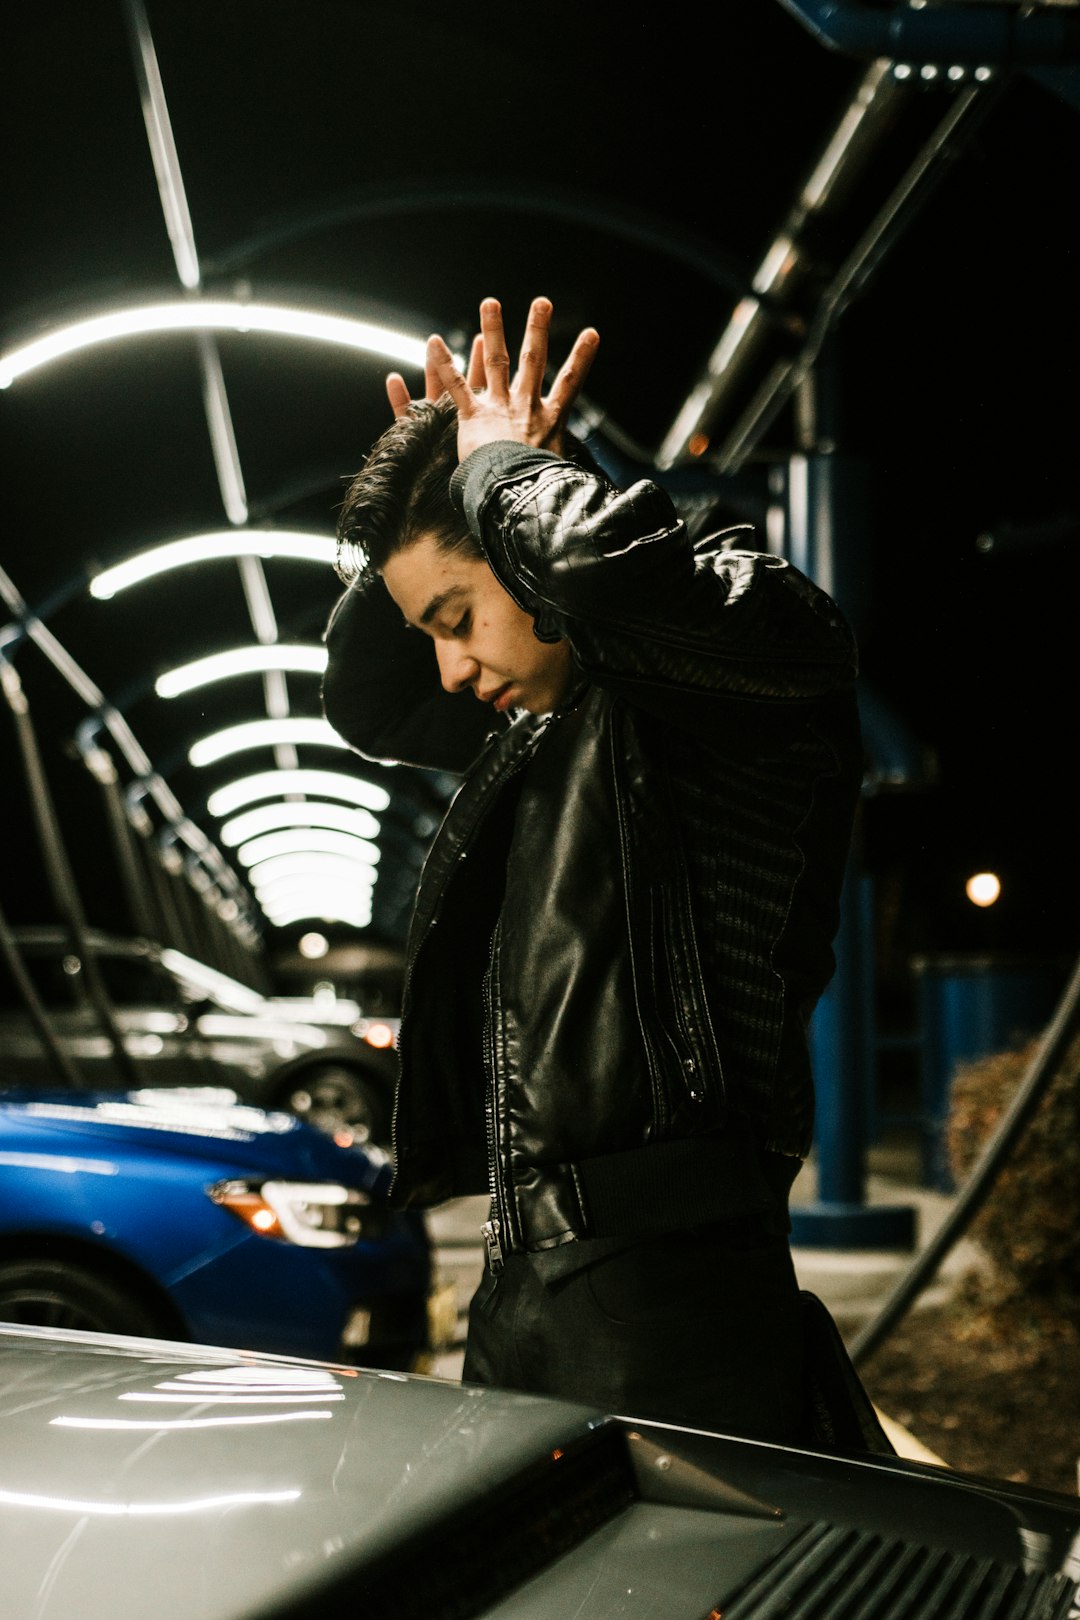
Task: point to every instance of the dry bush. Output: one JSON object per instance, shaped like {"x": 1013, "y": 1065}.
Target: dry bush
{"x": 1029, "y": 1226}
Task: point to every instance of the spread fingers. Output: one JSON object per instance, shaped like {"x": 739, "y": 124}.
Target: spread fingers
{"x": 496, "y": 358}
{"x": 573, "y": 371}
{"x": 532, "y": 361}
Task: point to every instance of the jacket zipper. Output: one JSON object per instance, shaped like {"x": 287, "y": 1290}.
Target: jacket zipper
{"x": 691, "y": 1082}
{"x": 660, "y": 1107}
{"x": 492, "y": 1228}
{"x": 515, "y": 765}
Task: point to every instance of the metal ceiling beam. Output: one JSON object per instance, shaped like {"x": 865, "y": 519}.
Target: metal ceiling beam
{"x": 819, "y": 260}
{"x": 1002, "y": 34}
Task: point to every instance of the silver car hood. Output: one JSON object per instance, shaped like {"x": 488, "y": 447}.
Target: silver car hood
{"x": 147, "y": 1480}
{"x": 140, "y": 1477}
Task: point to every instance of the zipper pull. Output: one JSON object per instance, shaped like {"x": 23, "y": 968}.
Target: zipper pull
{"x": 490, "y": 1231}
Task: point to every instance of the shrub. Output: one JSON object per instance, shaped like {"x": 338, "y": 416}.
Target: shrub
{"x": 1029, "y": 1225}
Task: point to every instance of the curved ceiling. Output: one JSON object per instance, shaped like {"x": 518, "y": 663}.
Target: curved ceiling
{"x": 226, "y": 222}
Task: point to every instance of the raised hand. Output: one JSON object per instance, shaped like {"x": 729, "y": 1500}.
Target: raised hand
{"x": 513, "y": 408}
{"x": 397, "y": 389}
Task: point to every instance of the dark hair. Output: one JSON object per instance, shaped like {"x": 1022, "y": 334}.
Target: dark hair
{"x": 402, "y": 492}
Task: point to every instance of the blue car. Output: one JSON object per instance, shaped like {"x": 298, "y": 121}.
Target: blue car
{"x": 176, "y": 1215}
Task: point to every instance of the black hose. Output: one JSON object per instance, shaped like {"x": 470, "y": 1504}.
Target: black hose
{"x": 1040, "y": 1073}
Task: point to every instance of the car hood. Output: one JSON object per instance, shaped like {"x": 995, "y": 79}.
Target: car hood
{"x": 186, "y": 1124}
{"x": 142, "y": 1477}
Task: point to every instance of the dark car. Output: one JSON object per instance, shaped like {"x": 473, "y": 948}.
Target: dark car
{"x": 186, "y": 1024}
{"x": 144, "y": 1478}
{"x": 180, "y": 1215}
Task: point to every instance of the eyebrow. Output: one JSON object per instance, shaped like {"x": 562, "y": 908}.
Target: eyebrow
{"x": 438, "y": 602}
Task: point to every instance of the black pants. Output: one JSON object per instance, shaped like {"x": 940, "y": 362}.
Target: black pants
{"x": 691, "y": 1329}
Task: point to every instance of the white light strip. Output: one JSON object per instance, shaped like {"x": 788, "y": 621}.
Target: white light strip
{"x": 217, "y": 543}
{"x": 291, "y": 892}
{"x": 159, "y": 1425}
{"x": 295, "y": 658}
{"x": 163, "y": 147}
{"x": 227, "y": 1027}
{"x": 263, "y": 734}
{"x": 306, "y": 887}
{"x": 192, "y": 1396}
{"x": 267, "y": 818}
{"x": 326, "y": 910}
{"x": 222, "y": 433}
{"x": 288, "y": 888}
{"x": 210, "y": 315}
{"x": 314, "y": 902}
{"x": 298, "y": 840}
{"x": 356, "y": 874}
{"x": 272, "y": 784}
{"x": 225, "y": 990}
{"x": 306, "y": 890}
{"x": 143, "y": 1510}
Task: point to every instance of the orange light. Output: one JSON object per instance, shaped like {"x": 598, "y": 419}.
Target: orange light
{"x": 252, "y": 1209}
{"x": 344, "y": 1138}
{"x": 380, "y": 1035}
{"x": 697, "y": 444}
{"x": 983, "y": 888}
{"x": 556, "y": 1454}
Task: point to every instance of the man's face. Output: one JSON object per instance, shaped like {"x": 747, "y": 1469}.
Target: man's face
{"x": 483, "y": 640}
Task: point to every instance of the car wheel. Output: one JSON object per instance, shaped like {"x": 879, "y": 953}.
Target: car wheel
{"x": 335, "y": 1098}
{"x": 63, "y": 1294}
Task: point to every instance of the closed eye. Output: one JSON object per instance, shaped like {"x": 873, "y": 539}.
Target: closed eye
{"x": 463, "y": 625}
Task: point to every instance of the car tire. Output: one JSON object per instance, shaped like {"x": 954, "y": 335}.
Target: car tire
{"x": 335, "y": 1097}
{"x": 65, "y": 1294}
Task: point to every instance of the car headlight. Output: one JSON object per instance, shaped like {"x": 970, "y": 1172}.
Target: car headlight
{"x": 317, "y": 1215}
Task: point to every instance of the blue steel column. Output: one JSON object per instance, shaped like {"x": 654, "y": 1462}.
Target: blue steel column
{"x": 825, "y": 524}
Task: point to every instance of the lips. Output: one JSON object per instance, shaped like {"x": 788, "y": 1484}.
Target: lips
{"x": 497, "y": 697}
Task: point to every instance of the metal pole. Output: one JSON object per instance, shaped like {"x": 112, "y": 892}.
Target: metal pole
{"x": 58, "y": 867}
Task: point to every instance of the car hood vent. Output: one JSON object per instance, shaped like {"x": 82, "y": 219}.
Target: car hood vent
{"x": 826, "y": 1573}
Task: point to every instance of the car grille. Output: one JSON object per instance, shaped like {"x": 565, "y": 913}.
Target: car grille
{"x": 828, "y": 1573}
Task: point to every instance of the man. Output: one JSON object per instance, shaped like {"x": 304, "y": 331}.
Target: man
{"x": 625, "y": 921}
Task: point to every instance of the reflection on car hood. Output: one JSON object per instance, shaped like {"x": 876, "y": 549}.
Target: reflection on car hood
{"x": 209, "y": 1125}
{"x": 139, "y": 1477}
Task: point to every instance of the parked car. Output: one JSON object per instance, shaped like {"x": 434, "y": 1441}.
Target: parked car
{"x": 192, "y": 1483}
{"x": 185, "y": 1024}
{"x": 188, "y": 1217}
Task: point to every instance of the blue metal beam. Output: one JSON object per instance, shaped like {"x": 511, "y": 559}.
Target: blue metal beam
{"x": 999, "y": 35}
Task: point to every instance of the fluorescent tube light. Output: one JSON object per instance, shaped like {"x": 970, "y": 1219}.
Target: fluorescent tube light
{"x": 255, "y": 660}
{"x": 267, "y": 818}
{"x": 209, "y": 547}
{"x": 273, "y": 784}
{"x": 263, "y": 734}
{"x": 210, "y": 315}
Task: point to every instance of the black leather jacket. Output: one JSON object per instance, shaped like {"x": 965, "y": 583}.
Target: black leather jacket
{"x": 626, "y": 918}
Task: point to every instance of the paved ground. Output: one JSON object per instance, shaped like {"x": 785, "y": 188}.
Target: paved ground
{"x": 854, "y": 1284}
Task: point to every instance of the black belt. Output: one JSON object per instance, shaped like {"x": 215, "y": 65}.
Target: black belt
{"x": 694, "y": 1181}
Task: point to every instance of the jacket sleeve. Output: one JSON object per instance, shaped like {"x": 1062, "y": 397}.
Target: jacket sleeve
{"x": 381, "y": 689}
{"x": 673, "y": 627}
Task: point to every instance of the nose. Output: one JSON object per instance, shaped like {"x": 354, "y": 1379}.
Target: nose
{"x": 456, "y": 669}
